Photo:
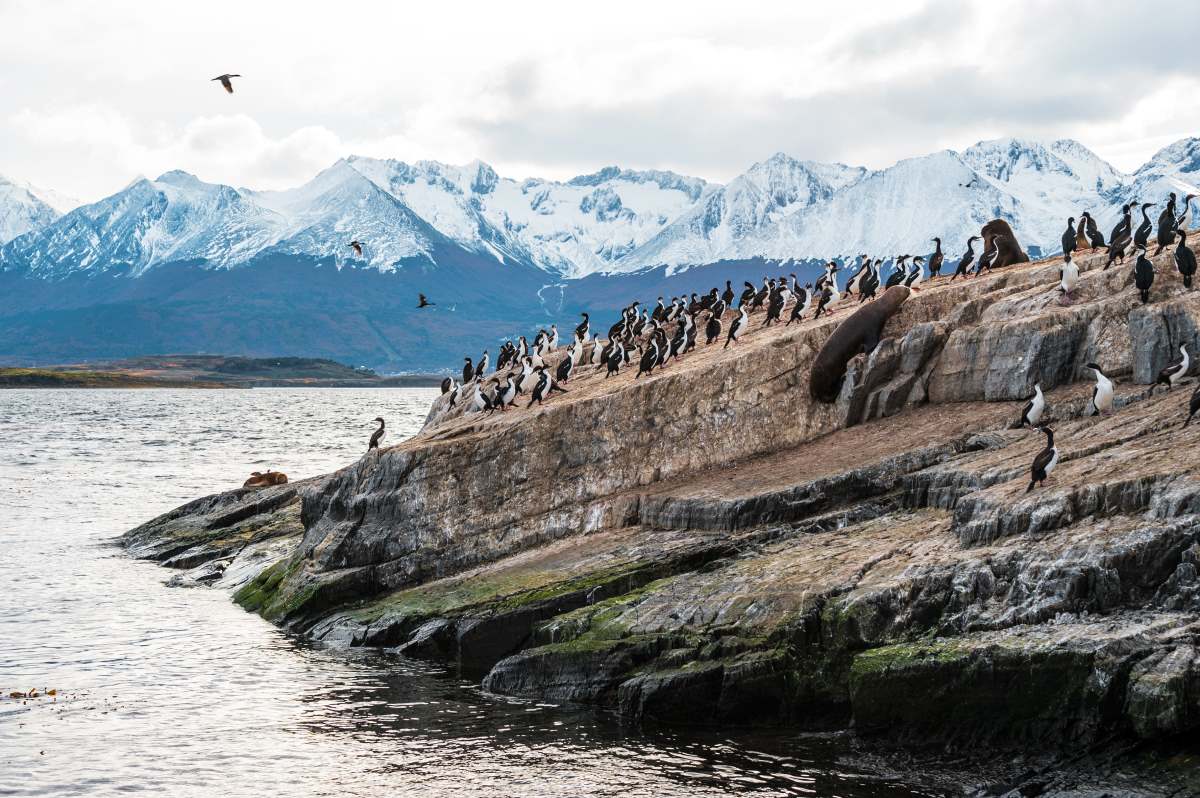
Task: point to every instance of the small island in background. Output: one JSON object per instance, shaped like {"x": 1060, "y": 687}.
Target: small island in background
{"x": 208, "y": 371}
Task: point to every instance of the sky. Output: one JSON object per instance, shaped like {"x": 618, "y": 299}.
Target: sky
{"x": 94, "y": 95}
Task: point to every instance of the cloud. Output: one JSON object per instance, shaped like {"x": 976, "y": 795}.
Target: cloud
{"x": 105, "y": 92}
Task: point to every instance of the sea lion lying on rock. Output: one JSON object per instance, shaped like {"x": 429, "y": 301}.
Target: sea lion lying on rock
{"x": 259, "y": 479}
{"x": 998, "y": 234}
{"x": 859, "y": 333}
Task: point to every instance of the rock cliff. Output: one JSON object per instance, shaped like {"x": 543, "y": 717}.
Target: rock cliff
{"x": 711, "y": 545}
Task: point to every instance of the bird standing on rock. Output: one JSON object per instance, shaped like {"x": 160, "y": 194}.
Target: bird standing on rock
{"x": 1143, "y": 274}
{"x": 1068, "y": 237}
{"x": 737, "y": 326}
{"x": 964, "y": 263}
{"x": 1031, "y": 415}
{"x": 936, "y": 259}
{"x": 1069, "y": 278}
{"x": 1176, "y": 370}
{"x": 1045, "y": 461}
{"x": 377, "y": 437}
{"x": 1185, "y": 259}
{"x": 1102, "y": 393}
{"x": 1166, "y": 225}
{"x": 1141, "y": 236}
{"x": 1093, "y": 232}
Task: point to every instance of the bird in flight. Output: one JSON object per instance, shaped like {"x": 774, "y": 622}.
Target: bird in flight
{"x": 226, "y": 82}
{"x": 424, "y": 303}
{"x": 357, "y": 247}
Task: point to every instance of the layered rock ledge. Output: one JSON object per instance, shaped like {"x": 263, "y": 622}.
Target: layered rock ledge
{"x": 710, "y": 545}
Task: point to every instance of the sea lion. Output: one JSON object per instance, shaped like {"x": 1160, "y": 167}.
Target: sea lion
{"x": 858, "y": 333}
{"x": 260, "y": 479}
{"x": 999, "y": 234}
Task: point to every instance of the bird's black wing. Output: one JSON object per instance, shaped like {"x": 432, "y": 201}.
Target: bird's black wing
{"x": 1042, "y": 460}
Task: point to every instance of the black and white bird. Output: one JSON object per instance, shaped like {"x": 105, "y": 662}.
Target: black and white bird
{"x": 1068, "y": 279}
{"x": 468, "y": 372}
{"x": 377, "y": 436}
{"x": 1184, "y": 219}
{"x": 803, "y": 302}
{"x": 1102, "y": 392}
{"x": 1176, "y": 370}
{"x": 357, "y": 247}
{"x": 506, "y": 394}
{"x": 899, "y": 272}
{"x": 737, "y": 326}
{"x": 449, "y": 384}
{"x": 968, "y": 258}
{"x": 479, "y": 401}
{"x": 481, "y": 365}
{"x": 917, "y": 275}
{"x": 712, "y": 330}
{"x": 1045, "y": 461}
{"x": 583, "y": 329}
{"x": 565, "y": 367}
{"x": 1093, "y": 232}
{"x": 1031, "y": 415}
{"x": 727, "y": 296}
{"x": 1185, "y": 259}
{"x": 227, "y": 81}
{"x": 544, "y": 387}
{"x": 1068, "y": 237}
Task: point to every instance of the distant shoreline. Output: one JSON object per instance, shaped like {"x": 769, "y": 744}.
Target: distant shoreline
{"x": 208, "y": 372}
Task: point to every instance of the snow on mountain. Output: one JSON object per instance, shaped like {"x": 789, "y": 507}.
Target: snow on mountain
{"x": 339, "y": 205}
{"x": 612, "y": 221}
{"x": 570, "y": 229}
{"x": 750, "y": 208}
{"x": 890, "y": 212}
{"x": 22, "y": 210}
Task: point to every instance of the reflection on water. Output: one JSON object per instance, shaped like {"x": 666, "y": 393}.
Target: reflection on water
{"x": 178, "y": 692}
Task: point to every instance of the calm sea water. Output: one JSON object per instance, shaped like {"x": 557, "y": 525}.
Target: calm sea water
{"x": 174, "y": 691}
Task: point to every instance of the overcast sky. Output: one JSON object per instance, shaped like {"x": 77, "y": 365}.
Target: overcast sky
{"x": 94, "y": 94}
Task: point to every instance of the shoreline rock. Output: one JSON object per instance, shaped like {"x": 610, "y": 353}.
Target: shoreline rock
{"x": 711, "y": 545}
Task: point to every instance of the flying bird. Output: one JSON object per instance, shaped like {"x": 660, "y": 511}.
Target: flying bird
{"x": 357, "y": 247}
{"x": 423, "y": 302}
{"x": 226, "y": 81}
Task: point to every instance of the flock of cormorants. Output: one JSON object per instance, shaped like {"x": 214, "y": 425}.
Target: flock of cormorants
{"x": 653, "y": 338}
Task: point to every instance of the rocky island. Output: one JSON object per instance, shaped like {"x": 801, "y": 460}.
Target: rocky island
{"x": 712, "y": 545}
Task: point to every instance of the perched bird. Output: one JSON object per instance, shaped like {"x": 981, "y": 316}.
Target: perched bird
{"x": 448, "y": 385}
{"x": 481, "y": 365}
{"x": 479, "y": 401}
{"x": 1121, "y": 237}
{"x": 1081, "y": 237}
{"x": 964, "y": 263}
{"x": 377, "y": 436}
{"x": 1031, "y": 415}
{"x": 1068, "y": 280}
{"x": 1166, "y": 225}
{"x": 1068, "y": 237}
{"x": 899, "y": 272}
{"x": 583, "y": 329}
{"x": 1176, "y": 370}
{"x": 803, "y": 302}
{"x": 565, "y": 367}
{"x": 1143, "y": 274}
{"x": 422, "y": 302}
{"x": 1102, "y": 393}
{"x": 712, "y": 330}
{"x": 1093, "y": 232}
{"x": 1045, "y": 461}
{"x": 736, "y": 327}
{"x": 1185, "y": 259}
{"x": 1141, "y": 236}
{"x": 544, "y": 387}
{"x": 727, "y": 295}
{"x": 917, "y": 275}
{"x": 226, "y": 81}
{"x": 468, "y": 371}
{"x": 935, "y": 260}
{"x": 1184, "y": 219}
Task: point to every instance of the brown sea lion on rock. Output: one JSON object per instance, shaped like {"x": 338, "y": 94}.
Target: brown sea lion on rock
{"x": 997, "y": 233}
{"x": 260, "y": 479}
{"x": 858, "y": 333}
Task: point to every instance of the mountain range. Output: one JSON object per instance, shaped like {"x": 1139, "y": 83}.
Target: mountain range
{"x": 177, "y": 264}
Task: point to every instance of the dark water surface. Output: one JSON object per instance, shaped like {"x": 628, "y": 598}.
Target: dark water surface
{"x": 174, "y": 691}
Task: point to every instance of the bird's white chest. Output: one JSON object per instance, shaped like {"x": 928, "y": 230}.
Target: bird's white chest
{"x": 1053, "y": 460}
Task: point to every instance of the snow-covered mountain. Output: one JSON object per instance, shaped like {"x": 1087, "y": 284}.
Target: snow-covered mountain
{"x": 22, "y": 210}
{"x": 571, "y": 229}
{"x": 613, "y": 221}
